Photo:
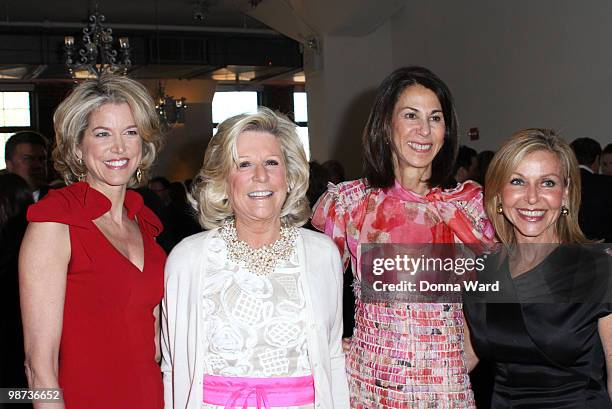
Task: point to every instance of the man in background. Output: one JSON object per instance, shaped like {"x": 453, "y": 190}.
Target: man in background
{"x": 161, "y": 187}
{"x": 466, "y": 166}
{"x": 606, "y": 160}
{"x": 595, "y": 217}
{"x": 25, "y": 154}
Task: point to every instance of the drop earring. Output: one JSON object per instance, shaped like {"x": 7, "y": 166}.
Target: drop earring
{"x": 80, "y": 175}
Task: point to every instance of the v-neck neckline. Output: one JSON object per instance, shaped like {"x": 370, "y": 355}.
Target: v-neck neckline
{"x": 121, "y": 255}
{"x": 97, "y": 204}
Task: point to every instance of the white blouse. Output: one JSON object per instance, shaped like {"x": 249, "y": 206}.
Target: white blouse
{"x": 196, "y": 270}
{"x": 254, "y": 325}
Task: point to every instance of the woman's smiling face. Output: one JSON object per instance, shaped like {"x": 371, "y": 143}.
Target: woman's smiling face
{"x": 533, "y": 196}
{"x": 257, "y": 186}
{"x": 418, "y": 128}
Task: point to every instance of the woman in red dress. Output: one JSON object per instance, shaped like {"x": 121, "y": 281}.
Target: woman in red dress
{"x": 91, "y": 274}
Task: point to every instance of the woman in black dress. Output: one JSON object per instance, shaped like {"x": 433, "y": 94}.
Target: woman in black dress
{"x": 549, "y": 331}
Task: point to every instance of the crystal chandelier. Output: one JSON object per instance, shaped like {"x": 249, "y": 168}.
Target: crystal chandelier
{"x": 97, "y": 55}
{"x": 170, "y": 110}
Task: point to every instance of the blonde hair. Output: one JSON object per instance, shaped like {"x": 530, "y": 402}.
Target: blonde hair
{"x": 210, "y": 189}
{"x": 507, "y": 159}
{"x": 72, "y": 116}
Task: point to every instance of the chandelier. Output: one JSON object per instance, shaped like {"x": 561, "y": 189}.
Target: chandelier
{"x": 171, "y": 111}
{"x": 97, "y": 55}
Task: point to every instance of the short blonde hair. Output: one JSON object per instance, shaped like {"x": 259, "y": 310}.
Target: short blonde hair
{"x": 71, "y": 118}
{"x": 507, "y": 159}
{"x": 210, "y": 190}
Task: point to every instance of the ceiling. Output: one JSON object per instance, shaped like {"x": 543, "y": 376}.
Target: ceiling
{"x": 215, "y": 13}
{"x": 203, "y": 39}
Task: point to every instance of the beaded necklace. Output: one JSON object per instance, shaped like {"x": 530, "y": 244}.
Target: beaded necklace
{"x": 261, "y": 261}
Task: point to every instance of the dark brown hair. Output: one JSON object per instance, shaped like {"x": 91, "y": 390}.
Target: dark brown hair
{"x": 378, "y": 151}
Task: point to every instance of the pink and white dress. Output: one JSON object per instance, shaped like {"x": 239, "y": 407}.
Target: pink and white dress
{"x": 404, "y": 355}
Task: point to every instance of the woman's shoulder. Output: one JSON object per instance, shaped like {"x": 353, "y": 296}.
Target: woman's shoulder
{"x": 186, "y": 256}
{"x": 349, "y": 194}
{"x": 193, "y": 242}
{"x": 321, "y": 249}
{"x": 66, "y": 205}
{"x": 314, "y": 238}
{"x": 338, "y": 202}
{"x": 462, "y": 207}
{"x": 136, "y": 207}
{"x": 466, "y": 197}
{"x": 464, "y": 191}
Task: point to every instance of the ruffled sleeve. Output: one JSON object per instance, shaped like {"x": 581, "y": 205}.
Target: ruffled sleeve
{"x": 150, "y": 222}
{"x": 336, "y": 211}
{"x": 136, "y": 208}
{"x": 69, "y": 205}
{"x": 462, "y": 209}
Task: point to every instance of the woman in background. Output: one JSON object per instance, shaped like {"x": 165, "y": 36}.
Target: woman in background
{"x": 406, "y": 355}
{"x": 91, "y": 274}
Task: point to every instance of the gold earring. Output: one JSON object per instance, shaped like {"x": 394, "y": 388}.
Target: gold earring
{"x": 80, "y": 176}
{"x": 499, "y": 208}
{"x": 564, "y": 210}
{"x": 139, "y": 175}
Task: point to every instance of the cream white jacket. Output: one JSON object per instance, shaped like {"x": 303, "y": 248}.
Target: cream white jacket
{"x": 184, "y": 358}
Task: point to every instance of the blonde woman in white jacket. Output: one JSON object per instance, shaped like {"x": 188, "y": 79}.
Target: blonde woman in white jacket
{"x": 252, "y": 314}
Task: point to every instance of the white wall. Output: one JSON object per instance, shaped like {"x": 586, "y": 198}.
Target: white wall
{"x": 354, "y": 56}
{"x": 340, "y": 94}
{"x": 513, "y": 65}
{"x": 510, "y": 64}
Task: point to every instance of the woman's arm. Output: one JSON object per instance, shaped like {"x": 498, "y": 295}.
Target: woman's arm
{"x": 340, "y": 393}
{"x": 175, "y": 396}
{"x": 43, "y": 264}
{"x": 605, "y": 333}
{"x": 470, "y": 356}
{"x": 157, "y": 334}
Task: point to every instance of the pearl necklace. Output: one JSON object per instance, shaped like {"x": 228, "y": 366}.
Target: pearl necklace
{"x": 261, "y": 261}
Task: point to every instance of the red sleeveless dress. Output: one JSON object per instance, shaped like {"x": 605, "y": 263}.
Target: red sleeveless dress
{"x": 107, "y": 349}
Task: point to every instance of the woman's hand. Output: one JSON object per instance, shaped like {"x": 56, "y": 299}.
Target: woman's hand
{"x": 346, "y": 344}
{"x": 43, "y": 265}
{"x": 471, "y": 359}
{"x": 157, "y": 334}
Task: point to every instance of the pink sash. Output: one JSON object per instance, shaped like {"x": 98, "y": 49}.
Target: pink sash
{"x": 258, "y": 392}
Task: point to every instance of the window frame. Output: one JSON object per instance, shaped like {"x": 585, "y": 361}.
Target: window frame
{"x": 29, "y": 88}
{"x": 32, "y": 99}
{"x": 302, "y": 124}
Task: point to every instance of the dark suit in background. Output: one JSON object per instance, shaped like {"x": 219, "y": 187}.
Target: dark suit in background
{"x": 596, "y": 207}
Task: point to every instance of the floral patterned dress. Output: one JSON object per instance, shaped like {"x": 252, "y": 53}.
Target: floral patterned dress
{"x": 404, "y": 355}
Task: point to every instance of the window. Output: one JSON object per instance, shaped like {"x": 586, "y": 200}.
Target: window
{"x": 226, "y": 104}
{"x": 300, "y": 112}
{"x": 3, "y": 138}
{"x": 15, "y": 115}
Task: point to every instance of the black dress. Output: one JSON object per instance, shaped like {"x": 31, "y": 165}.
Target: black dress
{"x": 545, "y": 346}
